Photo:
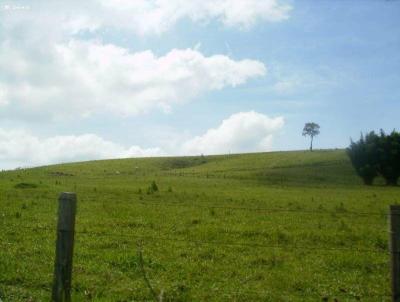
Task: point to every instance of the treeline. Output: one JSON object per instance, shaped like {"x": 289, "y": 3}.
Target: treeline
{"x": 376, "y": 155}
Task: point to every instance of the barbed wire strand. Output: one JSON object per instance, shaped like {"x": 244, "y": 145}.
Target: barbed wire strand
{"x": 220, "y": 243}
{"x": 270, "y": 210}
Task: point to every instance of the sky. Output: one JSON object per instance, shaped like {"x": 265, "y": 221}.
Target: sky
{"x": 119, "y": 78}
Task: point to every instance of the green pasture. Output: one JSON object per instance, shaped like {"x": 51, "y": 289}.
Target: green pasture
{"x": 279, "y": 226}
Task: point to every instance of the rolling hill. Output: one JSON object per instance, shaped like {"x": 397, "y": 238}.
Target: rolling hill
{"x": 278, "y": 226}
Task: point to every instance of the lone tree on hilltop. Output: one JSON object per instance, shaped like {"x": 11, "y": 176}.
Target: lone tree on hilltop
{"x": 311, "y": 129}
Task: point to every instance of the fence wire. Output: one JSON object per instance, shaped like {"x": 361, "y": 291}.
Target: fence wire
{"x": 194, "y": 241}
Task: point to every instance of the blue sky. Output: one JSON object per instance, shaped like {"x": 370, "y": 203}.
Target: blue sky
{"x": 244, "y": 77}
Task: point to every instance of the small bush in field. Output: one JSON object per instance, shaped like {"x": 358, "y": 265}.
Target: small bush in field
{"x": 152, "y": 188}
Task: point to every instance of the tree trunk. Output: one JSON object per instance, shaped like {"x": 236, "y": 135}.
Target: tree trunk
{"x": 311, "y": 143}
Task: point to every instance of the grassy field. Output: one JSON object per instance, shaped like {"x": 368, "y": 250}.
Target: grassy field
{"x": 281, "y": 226}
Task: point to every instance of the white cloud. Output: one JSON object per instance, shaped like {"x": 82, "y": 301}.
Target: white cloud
{"x": 241, "y": 132}
{"x": 52, "y": 70}
{"x": 21, "y": 148}
{"x": 3, "y": 95}
{"x": 86, "y": 77}
{"x": 151, "y": 16}
{"x": 157, "y": 16}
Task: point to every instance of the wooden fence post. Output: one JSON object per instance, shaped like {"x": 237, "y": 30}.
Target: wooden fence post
{"x": 64, "y": 248}
{"x": 394, "y": 247}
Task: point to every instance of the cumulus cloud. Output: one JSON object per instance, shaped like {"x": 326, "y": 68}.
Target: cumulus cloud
{"x": 156, "y": 16}
{"x": 54, "y": 70}
{"x": 241, "y": 132}
{"x": 3, "y": 95}
{"x": 153, "y": 16}
{"x": 50, "y": 68}
{"x": 19, "y": 148}
{"x": 86, "y": 77}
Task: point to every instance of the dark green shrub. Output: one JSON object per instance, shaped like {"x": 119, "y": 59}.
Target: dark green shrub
{"x": 375, "y": 155}
{"x": 152, "y": 188}
{"x": 184, "y": 162}
{"x": 364, "y": 157}
{"x": 389, "y": 157}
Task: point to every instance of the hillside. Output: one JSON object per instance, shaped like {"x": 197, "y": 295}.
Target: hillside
{"x": 279, "y": 226}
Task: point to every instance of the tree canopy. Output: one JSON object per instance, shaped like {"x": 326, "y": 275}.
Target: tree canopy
{"x": 311, "y": 129}
{"x": 375, "y": 155}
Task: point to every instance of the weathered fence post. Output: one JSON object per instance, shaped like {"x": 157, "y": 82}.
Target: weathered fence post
{"x": 64, "y": 248}
{"x": 394, "y": 247}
